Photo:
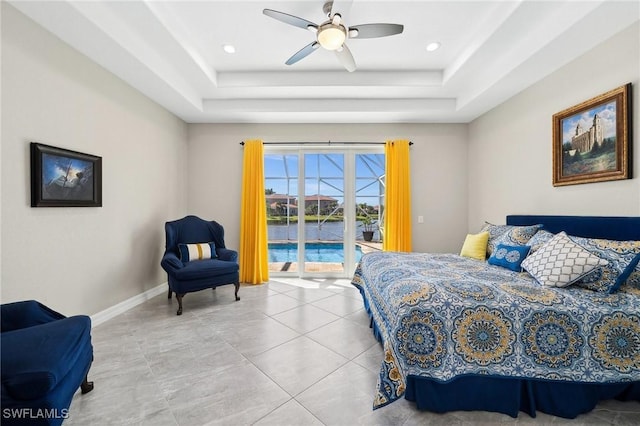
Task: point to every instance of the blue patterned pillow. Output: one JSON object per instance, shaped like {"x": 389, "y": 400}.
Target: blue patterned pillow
{"x": 509, "y": 257}
{"x": 539, "y": 239}
{"x": 633, "y": 283}
{"x": 620, "y": 255}
{"x": 495, "y": 231}
{"x": 634, "y": 278}
{"x": 508, "y": 234}
{"x": 627, "y": 274}
{"x": 197, "y": 251}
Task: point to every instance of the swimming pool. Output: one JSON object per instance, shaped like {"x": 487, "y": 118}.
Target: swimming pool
{"x": 314, "y": 252}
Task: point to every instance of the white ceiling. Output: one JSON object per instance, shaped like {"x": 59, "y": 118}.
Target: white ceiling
{"x": 172, "y": 52}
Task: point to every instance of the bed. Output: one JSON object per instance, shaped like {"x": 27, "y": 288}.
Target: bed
{"x": 460, "y": 334}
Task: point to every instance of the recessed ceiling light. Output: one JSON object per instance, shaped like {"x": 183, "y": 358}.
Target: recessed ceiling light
{"x": 433, "y": 46}
{"x": 228, "y": 48}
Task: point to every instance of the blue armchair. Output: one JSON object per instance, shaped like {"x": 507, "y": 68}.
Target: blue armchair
{"x": 45, "y": 357}
{"x": 217, "y": 266}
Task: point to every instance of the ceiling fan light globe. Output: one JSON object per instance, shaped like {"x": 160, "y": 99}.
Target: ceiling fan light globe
{"x": 331, "y": 37}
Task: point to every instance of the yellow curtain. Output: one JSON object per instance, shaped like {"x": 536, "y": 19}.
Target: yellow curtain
{"x": 254, "y": 266}
{"x": 397, "y": 218}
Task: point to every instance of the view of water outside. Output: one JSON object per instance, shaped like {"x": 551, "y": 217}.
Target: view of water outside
{"x": 324, "y": 199}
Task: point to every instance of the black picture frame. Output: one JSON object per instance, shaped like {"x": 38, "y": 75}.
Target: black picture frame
{"x": 64, "y": 178}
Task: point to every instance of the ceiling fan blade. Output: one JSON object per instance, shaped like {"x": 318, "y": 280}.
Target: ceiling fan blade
{"x": 375, "y": 30}
{"x": 303, "y": 53}
{"x": 346, "y": 58}
{"x": 290, "y": 19}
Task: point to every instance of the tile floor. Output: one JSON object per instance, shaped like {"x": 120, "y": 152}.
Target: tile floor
{"x": 291, "y": 352}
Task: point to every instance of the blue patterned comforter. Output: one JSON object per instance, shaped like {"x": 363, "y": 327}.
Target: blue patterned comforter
{"x": 441, "y": 316}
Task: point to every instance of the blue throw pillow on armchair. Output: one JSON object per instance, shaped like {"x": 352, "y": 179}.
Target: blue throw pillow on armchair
{"x": 509, "y": 257}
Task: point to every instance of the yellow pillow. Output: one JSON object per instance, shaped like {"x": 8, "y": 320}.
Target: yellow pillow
{"x": 475, "y": 246}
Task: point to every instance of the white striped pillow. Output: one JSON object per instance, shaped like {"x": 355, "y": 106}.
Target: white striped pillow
{"x": 197, "y": 251}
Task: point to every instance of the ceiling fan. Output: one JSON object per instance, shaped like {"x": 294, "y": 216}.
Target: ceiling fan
{"x": 332, "y": 34}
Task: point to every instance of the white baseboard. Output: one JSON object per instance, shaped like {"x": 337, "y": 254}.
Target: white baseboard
{"x": 125, "y": 305}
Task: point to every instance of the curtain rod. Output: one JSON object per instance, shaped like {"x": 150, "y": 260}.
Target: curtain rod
{"x": 323, "y": 143}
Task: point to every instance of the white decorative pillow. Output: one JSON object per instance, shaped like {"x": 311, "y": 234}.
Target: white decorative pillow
{"x": 561, "y": 262}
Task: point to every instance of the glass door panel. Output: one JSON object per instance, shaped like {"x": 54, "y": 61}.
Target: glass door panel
{"x": 324, "y": 213}
{"x": 281, "y": 193}
{"x": 369, "y": 208}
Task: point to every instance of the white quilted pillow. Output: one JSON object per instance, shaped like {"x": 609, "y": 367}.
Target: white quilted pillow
{"x": 561, "y": 262}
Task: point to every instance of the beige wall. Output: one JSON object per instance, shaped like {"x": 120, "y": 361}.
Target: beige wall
{"x": 83, "y": 260}
{"x": 510, "y": 160}
{"x": 438, "y": 172}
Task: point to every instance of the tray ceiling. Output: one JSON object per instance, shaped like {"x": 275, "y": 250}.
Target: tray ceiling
{"x": 172, "y": 51}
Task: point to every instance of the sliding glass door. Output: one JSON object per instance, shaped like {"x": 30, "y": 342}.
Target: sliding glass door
{"x": 319, "y": 202}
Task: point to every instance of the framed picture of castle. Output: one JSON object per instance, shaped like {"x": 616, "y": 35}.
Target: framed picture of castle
{"x": 591, "y": 140}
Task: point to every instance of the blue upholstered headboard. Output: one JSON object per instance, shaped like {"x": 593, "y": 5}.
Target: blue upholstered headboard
{"x": 609, "y": 227}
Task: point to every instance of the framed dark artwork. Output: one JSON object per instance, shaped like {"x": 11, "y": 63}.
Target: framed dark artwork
{"x": 64, "y": 178}
{"x": 591, "y": 141}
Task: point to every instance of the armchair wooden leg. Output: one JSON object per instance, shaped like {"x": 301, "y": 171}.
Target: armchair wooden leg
{"x": 170, "y": 292}
{"x": 86, "y": 386}
{"x": 237, "y": 284}
{"x": 179, "y": 298}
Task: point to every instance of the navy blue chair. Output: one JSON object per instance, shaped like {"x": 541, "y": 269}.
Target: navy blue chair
{"x": 45, "y": 358}
{"x": 186, "y": 274}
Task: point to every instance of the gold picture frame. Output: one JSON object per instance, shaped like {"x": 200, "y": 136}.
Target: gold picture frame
{"x": 591, "y": 140}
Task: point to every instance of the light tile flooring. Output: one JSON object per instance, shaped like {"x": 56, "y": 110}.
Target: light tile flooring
{"x": 291, "y": 352}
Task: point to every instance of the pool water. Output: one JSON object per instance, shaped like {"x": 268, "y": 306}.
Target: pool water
{"x": 314, "y": 252}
